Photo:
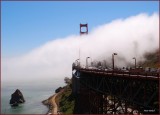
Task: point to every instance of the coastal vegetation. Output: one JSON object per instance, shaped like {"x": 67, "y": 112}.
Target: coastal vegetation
{"x": 151, "y": 59}
{"x": 65, "y": 99}
{"x": 67, "y": 102}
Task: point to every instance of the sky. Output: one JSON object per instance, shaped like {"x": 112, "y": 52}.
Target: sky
{"x": 40, "y": 40}
{"x": 26, "y": 25}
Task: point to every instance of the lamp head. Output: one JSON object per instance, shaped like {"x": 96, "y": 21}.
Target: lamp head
{"x": 77, "y": 59}
{"x": 114, "y": 53}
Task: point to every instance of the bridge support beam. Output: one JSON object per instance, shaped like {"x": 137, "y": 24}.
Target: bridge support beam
{"x": 112, "y": 93}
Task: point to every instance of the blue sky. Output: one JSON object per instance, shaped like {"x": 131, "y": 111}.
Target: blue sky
{"x": 27, "y": 25}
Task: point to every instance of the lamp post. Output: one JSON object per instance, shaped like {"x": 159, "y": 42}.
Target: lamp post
{"x": 91, "y": 59}
{"x": 113, "y": 59}
{"x": 135, "y": 62}
{"x": 87, "y": 62}
{"x": 77, "y": 62}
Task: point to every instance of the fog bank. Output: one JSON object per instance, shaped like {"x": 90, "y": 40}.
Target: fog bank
{"x": 51, "y": 62}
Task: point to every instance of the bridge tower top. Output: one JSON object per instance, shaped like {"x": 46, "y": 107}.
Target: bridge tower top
{"x": 83, "y": 26}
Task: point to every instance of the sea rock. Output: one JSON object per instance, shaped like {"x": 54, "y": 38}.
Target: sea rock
{"x": 16, "y": 98}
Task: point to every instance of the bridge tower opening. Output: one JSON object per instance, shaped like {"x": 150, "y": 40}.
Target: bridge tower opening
{"x": 83, "y": 26}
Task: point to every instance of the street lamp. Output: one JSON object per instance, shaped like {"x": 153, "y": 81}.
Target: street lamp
{"x": 135, "y": 61}
{"x": 77, "y": 62}
{"x": 87, "y": 62}
{"x": 113, "y": 59}
{"x": 90, "y": 60}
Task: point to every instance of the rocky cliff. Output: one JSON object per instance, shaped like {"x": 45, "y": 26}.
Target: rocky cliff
{"x": 16, "y": 98}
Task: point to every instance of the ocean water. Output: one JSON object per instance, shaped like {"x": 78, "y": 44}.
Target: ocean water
{"x": 33, "y": 95}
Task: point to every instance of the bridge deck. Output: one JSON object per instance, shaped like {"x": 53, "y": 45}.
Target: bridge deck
{"x": 128, "y": 90}
{"x": 134, "y": 75}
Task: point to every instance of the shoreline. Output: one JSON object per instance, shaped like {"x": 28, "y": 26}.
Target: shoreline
{"x": 51, "y": 104}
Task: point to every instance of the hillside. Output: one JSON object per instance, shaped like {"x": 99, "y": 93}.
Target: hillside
{"x": 151, "y": 60}
{"x": 65, "y": 100}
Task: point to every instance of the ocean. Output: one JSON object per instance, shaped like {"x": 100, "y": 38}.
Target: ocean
{"x": 33, "y": 95}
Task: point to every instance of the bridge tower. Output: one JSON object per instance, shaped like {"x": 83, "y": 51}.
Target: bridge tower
{"x": 83, "y": 26}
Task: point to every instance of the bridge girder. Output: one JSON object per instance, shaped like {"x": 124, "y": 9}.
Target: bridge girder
{"x": 104, "y": 93}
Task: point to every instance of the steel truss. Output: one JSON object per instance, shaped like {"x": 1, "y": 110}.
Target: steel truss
{"x": 113, "y": 94}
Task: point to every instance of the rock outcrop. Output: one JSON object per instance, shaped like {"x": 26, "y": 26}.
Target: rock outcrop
{"x": 16, "y": 98}
{"x": 58, "y": 89}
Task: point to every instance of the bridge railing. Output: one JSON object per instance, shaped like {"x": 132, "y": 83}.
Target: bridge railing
{"x": 121, "y": 73}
